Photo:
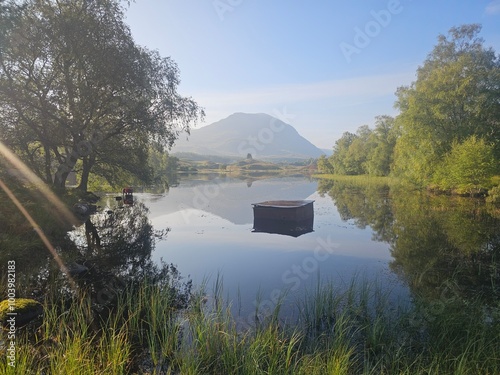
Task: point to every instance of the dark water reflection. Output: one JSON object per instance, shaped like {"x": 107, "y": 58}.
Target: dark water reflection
{"x": 440, "y": 244}
{"x": 110, "y": 251}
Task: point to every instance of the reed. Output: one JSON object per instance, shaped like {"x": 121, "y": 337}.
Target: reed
{"x": 341, "y": 329}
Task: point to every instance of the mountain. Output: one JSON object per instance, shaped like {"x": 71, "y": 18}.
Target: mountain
{"x": 263, "y": 136}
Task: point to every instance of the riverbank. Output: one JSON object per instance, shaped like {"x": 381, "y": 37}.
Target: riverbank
{"x": 353, "y": 331}
{"x": 360, "y": 179}
{"x": 492, "y": 193}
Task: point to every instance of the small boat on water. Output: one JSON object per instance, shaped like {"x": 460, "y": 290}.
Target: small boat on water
{"x": 128, "y": 196}
{"x": 292, "y": 218}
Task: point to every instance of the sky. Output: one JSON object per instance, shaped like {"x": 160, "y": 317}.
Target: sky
{"x": 326, "y": 67}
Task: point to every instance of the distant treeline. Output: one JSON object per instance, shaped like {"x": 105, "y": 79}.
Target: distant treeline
{"x": 447, "y": 133}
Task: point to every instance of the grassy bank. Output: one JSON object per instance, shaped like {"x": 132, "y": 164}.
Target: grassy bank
{"x": 357, "y": 331}
{"x": 492, "y": 191}
{"x": 360, "y": 179}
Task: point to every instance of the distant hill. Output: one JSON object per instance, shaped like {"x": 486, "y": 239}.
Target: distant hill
{"x": 263, "y": 136}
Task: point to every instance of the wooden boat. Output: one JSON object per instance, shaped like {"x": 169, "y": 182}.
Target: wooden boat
{"x": 292, "y": 218}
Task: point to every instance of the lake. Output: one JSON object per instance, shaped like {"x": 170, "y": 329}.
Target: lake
{"x": 411, "y": 244}
{"x": 211, "y": 236}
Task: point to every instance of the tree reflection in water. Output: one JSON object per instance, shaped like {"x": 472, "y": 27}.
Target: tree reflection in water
{"x": 116, "y": 248}
{"x": 440, "y": 244}
{"x": 109, "y": 252}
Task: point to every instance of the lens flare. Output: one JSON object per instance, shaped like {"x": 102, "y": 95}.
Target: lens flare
{"x": 49, "y": 195}
{"x": 32, "y": 178}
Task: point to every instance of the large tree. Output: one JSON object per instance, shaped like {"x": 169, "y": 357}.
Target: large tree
{"x": 74, "y": 86}
{"x": 381, "y": 150}
{"x": 454, "y": 97}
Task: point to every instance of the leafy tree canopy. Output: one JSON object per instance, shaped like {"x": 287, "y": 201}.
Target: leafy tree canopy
{"x": 454, "y": 97}
{"x": 74, "y": 86}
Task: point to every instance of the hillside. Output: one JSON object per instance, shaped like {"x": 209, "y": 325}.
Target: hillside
{"x": 261, "y": 135}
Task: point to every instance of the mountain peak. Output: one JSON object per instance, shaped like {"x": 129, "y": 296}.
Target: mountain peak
{"x": 260, "y": 134}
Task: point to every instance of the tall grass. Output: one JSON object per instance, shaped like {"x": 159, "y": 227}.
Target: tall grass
{"x": 349, "y": 330}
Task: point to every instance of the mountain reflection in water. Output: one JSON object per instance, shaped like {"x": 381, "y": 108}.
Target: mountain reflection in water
{"x": 212, "y": 234}
{"x": 413, "y": 244}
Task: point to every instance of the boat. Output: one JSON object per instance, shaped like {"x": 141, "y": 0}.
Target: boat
{"x": 288, "y": 217}
{"x": 128, "y": 196}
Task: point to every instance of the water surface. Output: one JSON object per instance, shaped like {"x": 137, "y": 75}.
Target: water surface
{"x": 211, "y": 235}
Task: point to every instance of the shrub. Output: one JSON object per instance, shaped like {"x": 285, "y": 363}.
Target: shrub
{"x": 493, "y": 195}
{"x": 468, "y": 167}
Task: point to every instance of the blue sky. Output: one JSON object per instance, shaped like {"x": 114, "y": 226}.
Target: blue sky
{"x": 325, "y": 66}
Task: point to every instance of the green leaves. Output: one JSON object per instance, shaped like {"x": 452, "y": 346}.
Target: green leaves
{"x": 366, "y": 152}
{"x": 71, "y": 76}
{"x": 455, "y": 97}
{"x": 468, "y": 167}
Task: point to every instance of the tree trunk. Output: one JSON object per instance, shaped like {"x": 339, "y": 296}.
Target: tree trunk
{"x": 63, "y": 171}
{"x": 88, "y": 162}
{"x": 48, "y": 162}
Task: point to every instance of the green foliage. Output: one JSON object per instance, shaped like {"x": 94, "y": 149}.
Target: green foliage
{"x": 350, "y": 330}
{"x": 340, "y": 160}
{"x": 383, "y": 140}
{"x": 454, "y": 97}
{"x": 90, "y": 92}
{"x": 359, "y": 150}
{"x": 350, "y": 152}
{"x": 468, "y": 167}
{"x": 324, "y": 165}
{"x": 366, "y": 152}
{"x": 447, "y": 131}
{"x": 163, "y": 167}
{"x": 493, "y": 195}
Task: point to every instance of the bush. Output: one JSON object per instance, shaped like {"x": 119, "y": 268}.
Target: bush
{"x": 493, "y": 195}
{"x": 468, "y": 167}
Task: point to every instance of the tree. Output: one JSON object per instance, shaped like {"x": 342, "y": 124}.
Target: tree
{"x": 382, "y": 141}
{"x": 359, "y": 151}
{"x": 340, "y": 158}
{"x": 467, "y": 167}
{"x": 324, "y": 165}
{"x": 454, "y": 97}
{"x": 75, "y": 86}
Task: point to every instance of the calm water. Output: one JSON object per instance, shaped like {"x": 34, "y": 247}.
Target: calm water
{"x": 413, "y": 244}
{"x": 211, "y": 235}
